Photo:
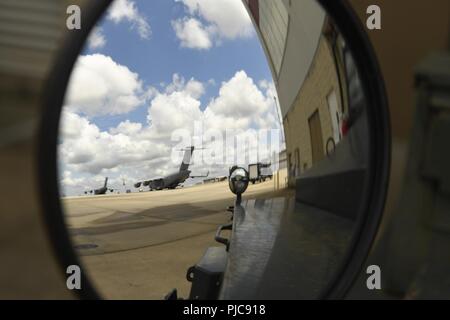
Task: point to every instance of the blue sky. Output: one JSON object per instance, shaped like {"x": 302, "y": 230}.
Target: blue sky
{"x": 188, "y": 59}
{"x": 159, "y": 57}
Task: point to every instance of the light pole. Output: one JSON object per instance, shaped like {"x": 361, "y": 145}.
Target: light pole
{"x": 278, "y": 109}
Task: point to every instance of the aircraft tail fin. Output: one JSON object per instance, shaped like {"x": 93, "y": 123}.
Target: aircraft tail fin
{"x": 187, "y": 158}
{"x": 106, "y": 181}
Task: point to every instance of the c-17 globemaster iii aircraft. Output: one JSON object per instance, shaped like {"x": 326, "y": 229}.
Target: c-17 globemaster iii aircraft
{"x": 101, "y": 190}
{"x": 175, "y": 179}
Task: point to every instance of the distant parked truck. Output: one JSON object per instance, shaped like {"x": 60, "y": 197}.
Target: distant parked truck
{"x": 259, "y": 172}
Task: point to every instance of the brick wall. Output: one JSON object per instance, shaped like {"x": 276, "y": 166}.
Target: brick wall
{"x": 320, "y": 81}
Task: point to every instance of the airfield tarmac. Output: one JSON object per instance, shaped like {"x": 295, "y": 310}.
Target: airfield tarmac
{"x": 140, "y": 245}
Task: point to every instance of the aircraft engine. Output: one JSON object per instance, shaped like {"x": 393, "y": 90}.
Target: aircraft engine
{"x": 137, "y": 185}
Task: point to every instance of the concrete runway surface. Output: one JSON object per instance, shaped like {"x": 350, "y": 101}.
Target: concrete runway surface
{"x": 140, "y": 245}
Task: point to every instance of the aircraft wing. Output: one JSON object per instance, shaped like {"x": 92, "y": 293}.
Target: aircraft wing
{"x": 138, "y": 184}
{"x": 145, "y": 183}
{"x": 201, "y": 176}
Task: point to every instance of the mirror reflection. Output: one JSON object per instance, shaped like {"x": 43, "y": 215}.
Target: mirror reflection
{"x": 154, "y": 136}
{"x": 238, "y": 180}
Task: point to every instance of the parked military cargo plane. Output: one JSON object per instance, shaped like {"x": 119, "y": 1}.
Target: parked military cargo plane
{"x": 172, "y": 180}
{"x": 101, "y": 190}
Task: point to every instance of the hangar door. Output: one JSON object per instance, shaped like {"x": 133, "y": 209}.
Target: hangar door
{"x": 315, "y": 131}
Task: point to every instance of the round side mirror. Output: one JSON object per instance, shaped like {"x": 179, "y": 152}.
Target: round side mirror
{"x": 238, "y": 180}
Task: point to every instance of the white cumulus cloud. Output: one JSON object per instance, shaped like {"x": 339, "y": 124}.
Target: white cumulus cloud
{"x": 240, "y": 97}
{"x": 126, "y": 10}
{"x": 94, "y": 151}
{"x": 100, "y": 86}
{"x": 176, "y": 107}
{"x": 222, "y": 19}
{"x": 96, "y": 39}
{"x": 192, "y": 33}
{"x": 135, "y": 151}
